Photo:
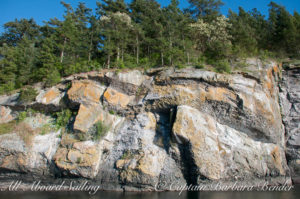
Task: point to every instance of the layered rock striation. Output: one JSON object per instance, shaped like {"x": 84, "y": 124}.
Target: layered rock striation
{"x": 132, "y": 130}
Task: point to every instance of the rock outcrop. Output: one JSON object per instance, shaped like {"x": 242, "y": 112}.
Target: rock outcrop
{"x": 133, "y": 131}
{"x": 290, "y": 103}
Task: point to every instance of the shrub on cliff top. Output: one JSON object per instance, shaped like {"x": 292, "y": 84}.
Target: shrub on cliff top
{"x": 222, "y": 66}
{"x": 28, "y": 94}
{"x": 101, "y": 130}
{"x": 63, "y": 118}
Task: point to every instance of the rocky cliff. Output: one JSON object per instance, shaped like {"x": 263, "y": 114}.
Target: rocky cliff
{"x": 290, "y": 102}
{"x": 134, "y": 130}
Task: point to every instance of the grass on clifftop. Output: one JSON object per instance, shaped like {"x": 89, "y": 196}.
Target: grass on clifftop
{"x": 101, "y": 130}
{"x": 7, "y": 127}
{"x": 28, "y": 94}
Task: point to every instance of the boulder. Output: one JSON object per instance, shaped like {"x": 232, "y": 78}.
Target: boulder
{"x": 81, "y": 160}
{"x": 9, "y": 100}
{"x": 6, "y": 115}
{"x": 234, "y": 100}
{"x": 221, "y": 152}
{"x": 50, "y": 96}
{"x": 88, "y": 115}
{"x": 19, "y": 157}
{"x": 85, "y": 92}
{"x": 127, "y": 82}
{"x": 134, "y": 77}
{"x": 117, "y": 99}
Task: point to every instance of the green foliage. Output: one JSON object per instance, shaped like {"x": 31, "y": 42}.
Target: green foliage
{"x": 81, "y": 137}
{"x": 78, "y": 161}
{"x": 22, "y": 116}
{"x": 52, "y": 78}
{"x": 112, "y": 112}
{"x": 140, "y": 34}
{"x": 199, "y": 65}
{"x": 7, "y": 127}
{"x": 63, "y": 118}
{"x": 127, "y": 155}
{"x": 222, "y": 66}
{"x": 47, "y": 128}
{"x": 28, "y": 94}
{"x": 101, "y": 130}
{"x": 265, "y": 55}
{"x": 180, "y": 66}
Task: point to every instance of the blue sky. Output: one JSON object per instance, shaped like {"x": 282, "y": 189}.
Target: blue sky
{"x": 43, "y": 10}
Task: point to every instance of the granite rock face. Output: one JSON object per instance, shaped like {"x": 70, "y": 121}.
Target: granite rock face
{"x": 290, "y": 103}
{"x": 220, "y": 151}
{"x": 134, "y": 131}
{"x": 26, "y": 150}
{"x": 6, "y": 114}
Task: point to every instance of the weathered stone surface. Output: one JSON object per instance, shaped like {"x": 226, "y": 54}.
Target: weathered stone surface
{"x": 85, "y": 92}
{"x": 222, "y": 152}
{"x": 290, "y": 107}
{"x": 50, "y": 96}
{"x": 116, "y": 98}
{"x": 17, "y": 156}
{"x": 81, "y": 160}
{"x": 231, "y": 99}
{"x": 184, "y": 126}
{"x": 127, "y": 82}
{"x": 88, "y": 115}
{"x": 9, "y": 100}
{"x": 6, "y": 115}
{"x": 134, "y": 77}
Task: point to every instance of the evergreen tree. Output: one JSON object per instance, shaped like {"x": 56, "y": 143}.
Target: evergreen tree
{"x": 204, "y": 8}
{"x": 282, "y": 29}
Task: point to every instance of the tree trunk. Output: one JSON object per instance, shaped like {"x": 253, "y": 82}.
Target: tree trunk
{"x": 137, "y": 50}
{"x": 162, "y": 59}
{"x": 108, "y": 54}
{"x": 170, "y": 59}
{"x": 62, "y": 51}
{"x": 118, "y": 53}
{"x": 90, "y": 49}
{"x": 108, "y": 60}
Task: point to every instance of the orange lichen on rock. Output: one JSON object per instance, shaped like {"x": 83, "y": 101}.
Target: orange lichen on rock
{"x": 117, "y": 98}
{"x": 87, "y": 91}
{"x": 275, "y": 154}
{"x": 51, "y": 95}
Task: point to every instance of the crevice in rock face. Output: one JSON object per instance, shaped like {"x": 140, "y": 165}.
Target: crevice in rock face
{"x": 188, "y": 166}
{"x": 187, "y": 81}
{"x": 163, "y": 138}
{"x": 164, "y": 126}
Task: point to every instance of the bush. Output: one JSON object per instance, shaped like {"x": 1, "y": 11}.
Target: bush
{"x": 46, "y": 128}
{"x": 112, "y": 112}
{"x": 63, "y": 118}
{"x": 7, "y": 87}
{"x": 101, "y": 130}
{"x": 222, "y": 66}
{"x": 127, "y": 155}
{"x": 180, "y": 66}
{"x": 78, "y": 67}
{"x": 53, "y": 78}
{"x": 199, "y": 65}
{"x": 28, "y": 95}
{"x": 22, "y": 116}
{"x": 7, "y": 127}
